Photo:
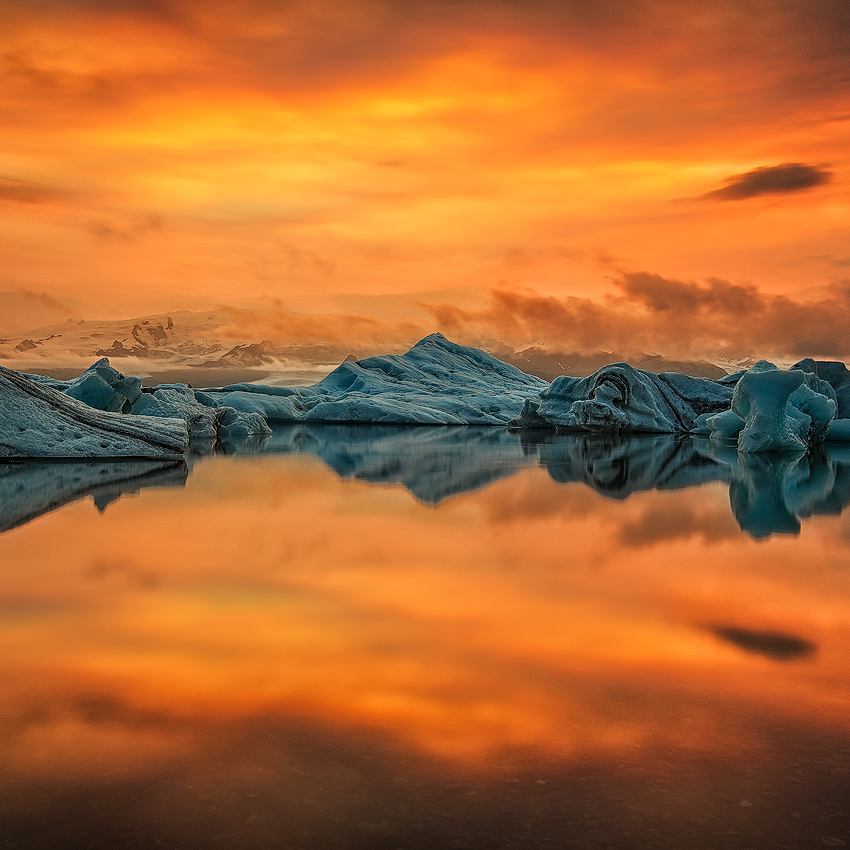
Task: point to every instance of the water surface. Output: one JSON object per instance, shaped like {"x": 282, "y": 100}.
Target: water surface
{"x": 427, "y": 638}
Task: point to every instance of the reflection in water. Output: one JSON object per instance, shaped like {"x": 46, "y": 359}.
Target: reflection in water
{"x": 272, "y": 656}
{"x": 768, "y": 494}
{"x": 29, "y": 489}
{"x": 433, "y": 463}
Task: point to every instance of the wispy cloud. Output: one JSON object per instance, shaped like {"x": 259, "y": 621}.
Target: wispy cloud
{"x": 26, "y": 192}
{"x": 787, "y": 178}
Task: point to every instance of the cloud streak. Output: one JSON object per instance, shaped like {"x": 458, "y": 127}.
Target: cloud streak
{"x": 649, "y": 312}
{"x": 25, "y": 192}
{"x": 788, "y": 178}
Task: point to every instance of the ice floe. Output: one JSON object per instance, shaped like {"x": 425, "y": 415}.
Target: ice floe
{"x": 39, "y": 421}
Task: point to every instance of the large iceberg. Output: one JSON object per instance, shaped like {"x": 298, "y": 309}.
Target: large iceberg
{"x": 761, "y": 409}
{"x": 103, "y": 387}
{"x": 620, "y": 398}
{"x": 779, "y": 410}
{"x": 437, "y": 382}
{"x": 39, "y": 421}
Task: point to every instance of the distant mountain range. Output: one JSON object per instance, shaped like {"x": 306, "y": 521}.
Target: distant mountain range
{"x": 191, "y": 340}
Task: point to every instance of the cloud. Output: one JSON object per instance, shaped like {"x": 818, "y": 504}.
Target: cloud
{"x": 649, "y": 312}
{"x": 782, "y": 179}
{"x": 280, "y": 325}
{"x": 139, "y": 226}
{"x": 776, "y": 645}
{"x": 24, "y": 192}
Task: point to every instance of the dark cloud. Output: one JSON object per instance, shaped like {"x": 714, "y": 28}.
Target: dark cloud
{"x": 776, "y": 645}
{"x": 289, "y": 46}
{"x": 25, "y": 192}
{"x": 651, "y": 313}
{"x": 782, "y": 179}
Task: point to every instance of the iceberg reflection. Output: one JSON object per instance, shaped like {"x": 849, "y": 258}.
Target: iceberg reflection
{"x": 29, "y": 489}
{"x": 768, "y": 494}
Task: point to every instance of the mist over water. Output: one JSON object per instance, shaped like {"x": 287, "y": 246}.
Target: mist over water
{"x": 376, "y": 637}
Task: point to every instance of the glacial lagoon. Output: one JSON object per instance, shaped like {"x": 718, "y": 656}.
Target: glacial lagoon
{"x": 377, "y": 637}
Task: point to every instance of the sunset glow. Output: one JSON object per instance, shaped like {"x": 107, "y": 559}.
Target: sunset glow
{"x": 404, "y": 161}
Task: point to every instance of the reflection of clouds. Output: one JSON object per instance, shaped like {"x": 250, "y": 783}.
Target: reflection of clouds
{"x": 680, "y": 521}
{"x": 333, "y": 645}
{"x": 124, "y": 569}
{"x": 178, "y": 779}
{"x": 776, "y": 645}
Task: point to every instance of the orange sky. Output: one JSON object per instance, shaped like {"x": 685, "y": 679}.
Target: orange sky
{"x": 369, "y": 156}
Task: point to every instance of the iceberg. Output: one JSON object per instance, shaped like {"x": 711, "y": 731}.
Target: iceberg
{"x": 837, "y": 375}
{"x": 437, "y": 382}
{"x": 39, "y": 421}
{"x": 209, "y": 427}
{"x": 620, "y": 398}
{"x": 777, "y": 410}
{"x": 103, "y": 387}
{"x": 761, "y": 409}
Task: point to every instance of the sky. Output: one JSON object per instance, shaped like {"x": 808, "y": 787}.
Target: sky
{"x": 652, "y": 176}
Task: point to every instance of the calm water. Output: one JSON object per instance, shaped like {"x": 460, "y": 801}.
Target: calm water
{"x": 427, "y": 638}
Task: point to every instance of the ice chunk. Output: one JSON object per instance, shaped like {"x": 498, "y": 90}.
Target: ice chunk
{"x": 179, "y": 403}
{"x": 436, "y": 382}
{"x": 38, "y": 421}
{"x": 207, "y": 425}
{"x": 784, "y": 411}
{"x": 105, "y": 388}
{"x": 721, "y": 426}
{"x": 620, "y": 398}
{"x": 837, "y": 375}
